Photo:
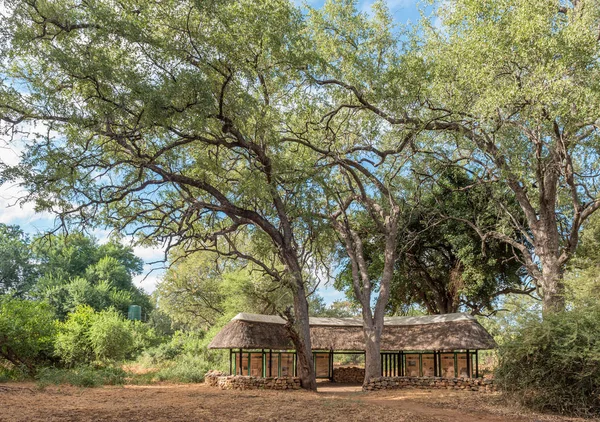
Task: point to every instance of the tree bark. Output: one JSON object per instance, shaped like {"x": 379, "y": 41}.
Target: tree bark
{"x": 305, "y": 366}
{"x": 298, "y": 324}
{"x": 372, "y": 335}
{"x": 552, "y": 284}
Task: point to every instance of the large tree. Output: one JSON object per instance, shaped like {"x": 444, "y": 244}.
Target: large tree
{"x": 519, "y": 82}
{"x": 443, "y": 266}
{"x": 362, "y": 173}
{"x": 164, "y": 120}
{"x": 511, "y": 89}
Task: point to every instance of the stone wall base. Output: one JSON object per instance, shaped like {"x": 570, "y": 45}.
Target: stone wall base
{"x": 427, "y": 383}
{"x": 351, "y": 374}
{"x": 241, "y": 382}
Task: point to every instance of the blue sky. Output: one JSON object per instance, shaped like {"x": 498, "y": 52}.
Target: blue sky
{"x": 403, "y": 11}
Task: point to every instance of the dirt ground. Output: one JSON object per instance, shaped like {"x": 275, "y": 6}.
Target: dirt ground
{"x": 197, "y": 402}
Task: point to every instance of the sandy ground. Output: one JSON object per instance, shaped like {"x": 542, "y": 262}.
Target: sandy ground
{"x": 197, "y": 402}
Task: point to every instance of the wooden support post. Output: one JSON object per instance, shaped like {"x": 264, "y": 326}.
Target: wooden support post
{"x": 279, "y": 365}
{"x": 385, "y": 365}
{"x": 435, "y": 366}
{"x": 230, "y": 362}
{"x": 420, "y": 364}
{"x": 331, "y": 364}
{"x": 476, "y": 363}
{"x": 264, "y": 364}
{"x": 468, "y": 364}
{"x": 270, "y": 362}
{"x": 402, "y": 370}
{"x": 455, "y": 366}
{"x": 241, "y": 369}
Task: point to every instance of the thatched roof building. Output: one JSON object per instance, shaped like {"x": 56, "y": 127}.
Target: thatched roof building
{"x": 436, "y": 332}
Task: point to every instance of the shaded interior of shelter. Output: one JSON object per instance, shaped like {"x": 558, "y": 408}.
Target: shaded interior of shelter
{"x": 443, "y": 346}
{"x": 278, "y": 363}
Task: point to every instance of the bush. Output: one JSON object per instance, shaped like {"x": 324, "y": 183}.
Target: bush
{"x": 186, "y": 368}
{"x": 12, "y": 374}
{"x": 111, "y": 336}
{"x": 82, "y": 376}
{"x": 88, "y": 336}
{"x": 73, "y": 345}
{"x": 554, "y": 364}
{"x": 185, "y": 358}
{"x": 144, "y": 337}
{"x": 26, "y": 333}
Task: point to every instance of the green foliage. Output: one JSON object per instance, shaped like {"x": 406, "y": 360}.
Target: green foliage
{"x": 111, "y": 336}
{"x": 8, "y": 372}
{"x": 446, "y": 266}
{"x": 185, "y": 358}
{"x": 185, "y": 368}
{"x": 582, "y": 277}
{"x": 75, "y": 270}
{"x": 554, "y": 364}
{"x": 201, "y": 290}
{"x": 144, "y": 336}
{"x": 87, "y": 336}
{"x": 27, "y": 329}
{"x": 82, "y": 376}
{"x": 17, "y": 269}
{"x": 72, "y": 343}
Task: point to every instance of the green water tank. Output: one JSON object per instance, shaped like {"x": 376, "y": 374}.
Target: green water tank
{"x": 135, "y": 312}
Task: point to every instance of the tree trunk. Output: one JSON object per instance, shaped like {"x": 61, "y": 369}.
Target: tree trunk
{"x": 305, "y": 366}
{"x": 552, "y": 284}
{"x": 372, "y": 336}
{"x": 298, "y": 325}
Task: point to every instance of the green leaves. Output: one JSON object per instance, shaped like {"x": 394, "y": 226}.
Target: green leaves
{"x": 26, "y": 332}
{"x": 554, "y": 364}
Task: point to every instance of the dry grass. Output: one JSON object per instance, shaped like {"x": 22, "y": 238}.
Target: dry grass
{"x": 197, "y": 402}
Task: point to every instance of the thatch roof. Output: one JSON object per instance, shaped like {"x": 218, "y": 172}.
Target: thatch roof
{"x": 433, "y": 332}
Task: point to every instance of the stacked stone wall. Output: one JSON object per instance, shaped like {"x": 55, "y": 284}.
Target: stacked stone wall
{"x": 241, "y": 382}
{"x": 351, "y": 374}
{"x": 427, "y": 383}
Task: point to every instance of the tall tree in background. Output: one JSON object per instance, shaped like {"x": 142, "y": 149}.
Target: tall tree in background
{"x": 17, "y": 268}
{"x": 443, "y": 266}
{"x": 519, "y": 82}
{"x": 75, "y": 270}
{"x": 446, "y": 268}
{"x": 512, "y": 90}
{"x": 164, "y": 120}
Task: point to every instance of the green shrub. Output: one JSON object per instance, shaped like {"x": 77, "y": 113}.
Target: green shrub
{"x": 12, "y": 374}
{"x": 554, "y": 364}
{"x": 73, "y": 345}
{"x": 161, "y": 353}
{"x": 186, "y": 368}
{"x": 82, "y": 376}
{"x": 87, "y": 336}
{"x": 111, "y": 336}
{"x": 26, "y": 333}
{"x": 144, "y": 337}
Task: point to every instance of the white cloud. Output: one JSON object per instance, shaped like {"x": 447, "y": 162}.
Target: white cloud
{"x": 148, "y": 281}
{"x": 13, "y": 212}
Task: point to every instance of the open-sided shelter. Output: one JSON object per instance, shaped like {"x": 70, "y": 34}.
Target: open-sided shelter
{"x": 434, "y": 345}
